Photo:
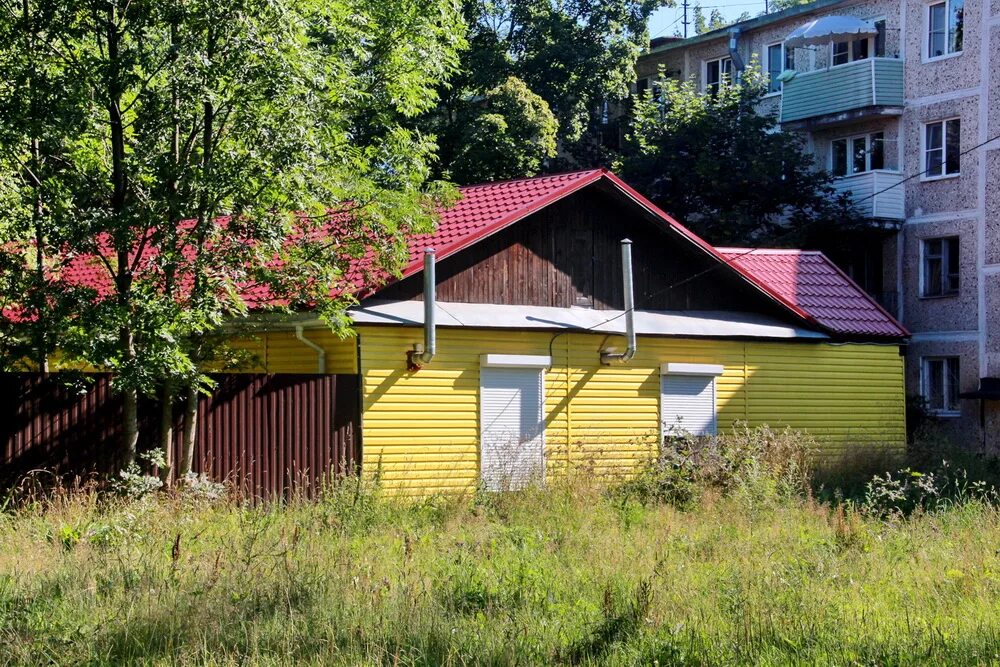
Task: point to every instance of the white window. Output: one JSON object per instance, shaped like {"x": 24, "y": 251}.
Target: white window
{"x": 942, "y": 148}
{"x": 939, "y": 384}
{"x": 842, "y": 53}
{"x": 776, "y": 64}
{"x": 718, "y": 73}
{"x": 856, "y": 155}
{"x": 939, "y": 266}
{"x": 945, "y": 28}
{"x": 687, "y": 399}
{"x": 512, "y": 423}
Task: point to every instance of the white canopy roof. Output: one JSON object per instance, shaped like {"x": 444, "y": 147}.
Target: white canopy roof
{"x": 830, "y": 29}
{"x": 494, "y": 316}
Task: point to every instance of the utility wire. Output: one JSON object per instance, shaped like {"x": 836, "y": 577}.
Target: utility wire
{"x": 921, "y": 173}
{"x": 729, "y": 261}
{"x": 681, "y": 16}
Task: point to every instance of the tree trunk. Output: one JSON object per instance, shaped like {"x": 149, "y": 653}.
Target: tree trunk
{"x": 130, "y": 425}
{"x": 130, "y": 406}
{"x": 190, "y": 429}
{"x": 167, "y": 431}
{"x": 123, "y": 279}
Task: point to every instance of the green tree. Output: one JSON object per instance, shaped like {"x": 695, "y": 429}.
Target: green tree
{"x": 508, "y": 134}
{"x": 726, "y": 171}
{"x": 574, "y": 55}
{"x": 188, "y": 135}
{"x": 714, "y": 21}
{"x": 779, "y": 5}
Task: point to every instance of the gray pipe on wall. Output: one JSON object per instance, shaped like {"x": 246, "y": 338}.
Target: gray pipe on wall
{"x": 426, "y": 355}
{"x": 631, "y": 343}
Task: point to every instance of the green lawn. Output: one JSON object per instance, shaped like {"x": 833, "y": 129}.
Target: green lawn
{"x": 568, "y": 575}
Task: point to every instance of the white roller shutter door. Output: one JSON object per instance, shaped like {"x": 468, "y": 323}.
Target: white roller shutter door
{"x": 511, "y": 427}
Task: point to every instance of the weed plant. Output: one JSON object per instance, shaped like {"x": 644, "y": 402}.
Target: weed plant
{"x": 730, "y": 561}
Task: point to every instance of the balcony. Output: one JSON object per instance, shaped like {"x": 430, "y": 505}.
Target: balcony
{"x": 843, "y": 93}
{"x": 887, "y": 204}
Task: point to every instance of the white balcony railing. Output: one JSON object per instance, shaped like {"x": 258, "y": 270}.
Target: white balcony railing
{"x": 878, "y": 193}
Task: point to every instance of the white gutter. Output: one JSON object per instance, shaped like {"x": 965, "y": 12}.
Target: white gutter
{"x": 321, "y": 361}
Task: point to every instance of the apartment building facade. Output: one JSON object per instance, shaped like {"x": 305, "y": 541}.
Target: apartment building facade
{"x": 906, "y": 113}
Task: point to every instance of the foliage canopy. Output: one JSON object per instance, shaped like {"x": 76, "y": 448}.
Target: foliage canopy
{"x": 172, "y": 141}
{"x": 721, "y": 167}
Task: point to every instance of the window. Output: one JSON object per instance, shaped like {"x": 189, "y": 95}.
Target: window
{"x": 717, "y": 74}
{"x": 942, "y": 148}
{"x": 687, "y": 399}
{"x": 856, "y": 155}
{"x": 846, "y": 52}
{"x": 940, "y": 266}
{"x": 775, "y": 66}
{"x": 939, "y": 382}
{"x": 945, "y": 27}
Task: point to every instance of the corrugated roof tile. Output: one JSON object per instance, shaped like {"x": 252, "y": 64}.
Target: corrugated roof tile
{"x": 806, "y": 283}
{"x": 812, "y": 282}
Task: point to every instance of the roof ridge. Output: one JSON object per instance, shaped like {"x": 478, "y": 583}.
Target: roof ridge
{"x": 767, "y": 251}
{"x": 525, "y": 179}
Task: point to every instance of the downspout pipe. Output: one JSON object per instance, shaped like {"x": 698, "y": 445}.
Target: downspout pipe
{"x": 629, "y": 297}
{"x": 321, "y": 358}
{"x": 421, "y": 356}
{"x": 734, "y": 55}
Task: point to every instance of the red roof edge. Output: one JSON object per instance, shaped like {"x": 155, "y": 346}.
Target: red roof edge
{"x": 568, "y": 189}
{"x": 684, "y": 231}
{"x": 902, "y": 327}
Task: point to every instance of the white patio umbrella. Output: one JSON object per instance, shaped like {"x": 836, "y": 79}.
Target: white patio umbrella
{"x": 829, "y": 29}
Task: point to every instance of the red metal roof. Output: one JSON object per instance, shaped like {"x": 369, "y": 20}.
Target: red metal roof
{"x": 810, "y": 280}
{"x": 804, "y": 283}
{"x": 486, "y": 209}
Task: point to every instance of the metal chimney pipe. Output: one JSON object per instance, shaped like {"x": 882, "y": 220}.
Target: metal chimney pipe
{"x": 629, "y": 298}
{"x": 426, "y": 355}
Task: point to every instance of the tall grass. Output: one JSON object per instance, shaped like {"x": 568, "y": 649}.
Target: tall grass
{"x": 746, "y": 571}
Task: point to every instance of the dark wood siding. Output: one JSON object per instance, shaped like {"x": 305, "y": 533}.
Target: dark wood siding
{"x": 569, "y": 254}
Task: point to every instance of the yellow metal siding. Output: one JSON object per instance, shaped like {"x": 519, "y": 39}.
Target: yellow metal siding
{"x": 282, "y": 352}
{"x": 421, "y": 430}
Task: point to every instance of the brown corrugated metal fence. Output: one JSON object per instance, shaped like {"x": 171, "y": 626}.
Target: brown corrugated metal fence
{"x": 271, "y": 433}
{"x": 265, "y": 434}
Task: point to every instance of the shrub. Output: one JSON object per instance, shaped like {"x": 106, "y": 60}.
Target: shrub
{"x": 909, "y": 491}
{"x": 757, "y": 463}
{"x": 201, "y": 487}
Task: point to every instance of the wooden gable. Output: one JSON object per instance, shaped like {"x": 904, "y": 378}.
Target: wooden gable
{"x": 569, "y": 254}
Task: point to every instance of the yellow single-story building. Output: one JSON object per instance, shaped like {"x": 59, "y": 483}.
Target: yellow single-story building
{"x": 542, "y": 340}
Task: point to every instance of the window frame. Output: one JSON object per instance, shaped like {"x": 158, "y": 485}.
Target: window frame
{"x": 706, "y": 86}
{"x": 869, "y": 143}
{"x": 946, "y": 388}
{"x": 767, "y": 67}
{"x": 926, "y": 48}
{"x": 946, "y": 269}
{"x": 924, "y": 163}
{"x": 850, "y": 51}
